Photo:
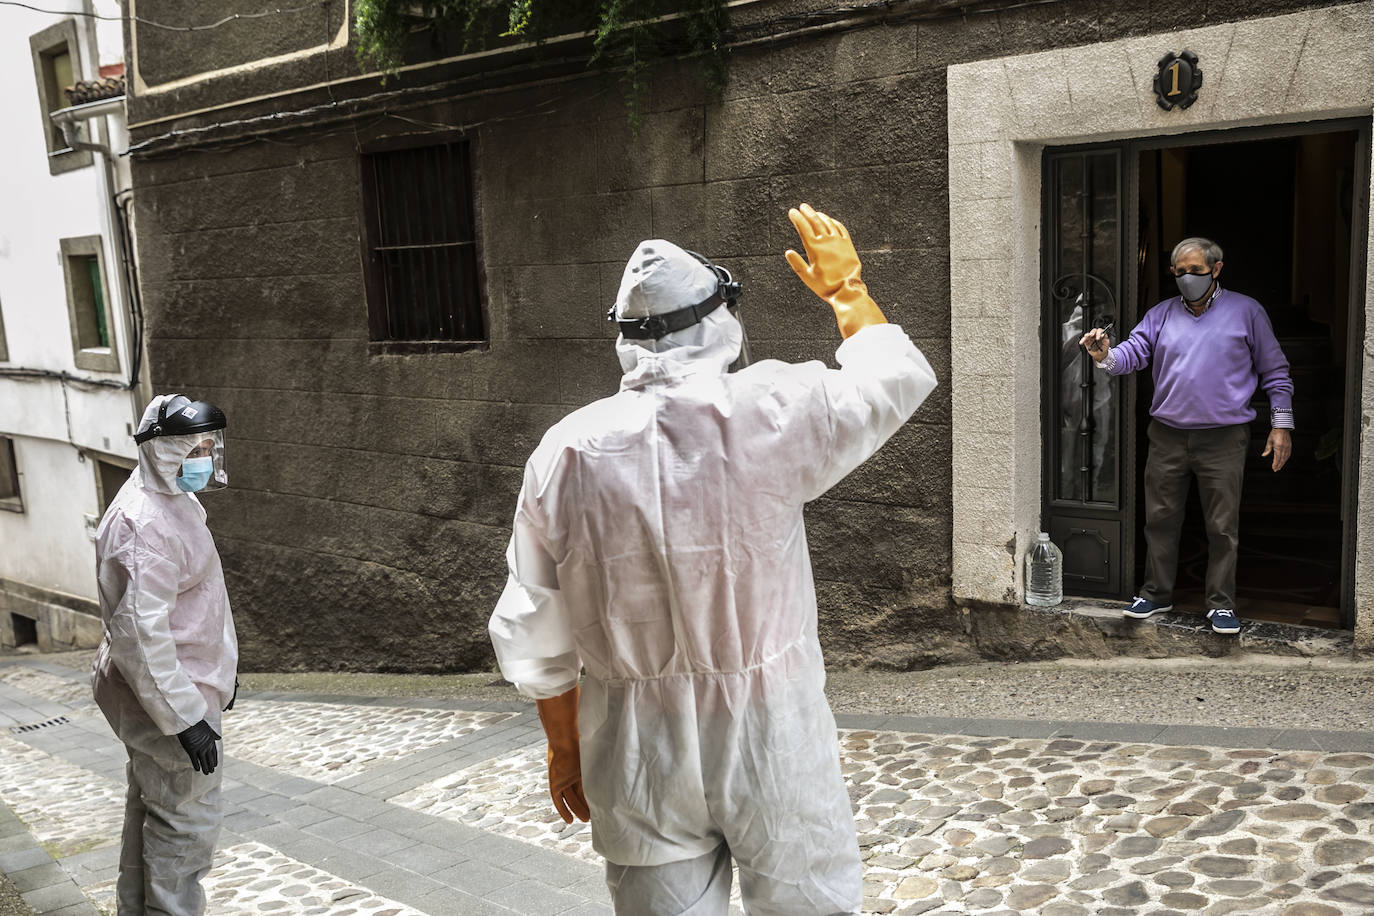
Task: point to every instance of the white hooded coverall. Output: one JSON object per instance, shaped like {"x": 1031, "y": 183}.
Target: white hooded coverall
{"x": 167, "y": 660}
{"x": 659, "y": 544}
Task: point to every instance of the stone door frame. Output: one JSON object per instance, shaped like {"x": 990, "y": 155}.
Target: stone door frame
{"x": 1307, "y": 66}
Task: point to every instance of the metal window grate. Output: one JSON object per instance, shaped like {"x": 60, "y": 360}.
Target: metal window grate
{"x": 421, "y": 242}
{"x": 20, "y": 729}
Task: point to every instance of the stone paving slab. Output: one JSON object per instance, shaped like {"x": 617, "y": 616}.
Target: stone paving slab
{"x": 961, "y": 816}
{"x": 67, "y": 809}
{"x": 327, "y": 742}
{"x": 44, "y": 886}
{"x": 40, "y": 683}
{"x": 249, "y": 877}
{"x": 504, "y": 796}
{"x": 393, "y": 777}
{"x": 1332, "y": 741}
{"x": 343, "y": 699}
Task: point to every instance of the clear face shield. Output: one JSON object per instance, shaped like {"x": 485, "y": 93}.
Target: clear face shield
{"x": 203, "y": 467}
{"x": 176, "y": 428}
{"x": 744, "y": 359}
{"x": 728, "y": 291}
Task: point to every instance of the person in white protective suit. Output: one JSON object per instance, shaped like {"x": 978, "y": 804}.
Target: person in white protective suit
{"x": 659, "y": 545}
{"x": 166, "y": 666}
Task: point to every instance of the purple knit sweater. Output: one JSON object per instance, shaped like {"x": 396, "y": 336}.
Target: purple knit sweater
{"x": 1206, "y": 368}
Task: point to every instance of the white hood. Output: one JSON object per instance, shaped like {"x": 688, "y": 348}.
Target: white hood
{"x": 659, "y": 278}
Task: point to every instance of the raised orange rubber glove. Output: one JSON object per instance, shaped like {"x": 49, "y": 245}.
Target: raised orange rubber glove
{"x": 833, "y": 273}
{"x": 558, "y": 715}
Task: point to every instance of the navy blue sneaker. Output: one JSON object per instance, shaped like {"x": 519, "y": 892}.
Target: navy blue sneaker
{"x": 1141, "y": 608}
{"x": 1224, "y": 620}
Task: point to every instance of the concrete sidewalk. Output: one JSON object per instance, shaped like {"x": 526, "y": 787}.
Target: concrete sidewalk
{"x": 390, "y": 805}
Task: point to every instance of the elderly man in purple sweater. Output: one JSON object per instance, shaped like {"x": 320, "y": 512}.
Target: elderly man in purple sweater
{"x": 1208, "y": 349}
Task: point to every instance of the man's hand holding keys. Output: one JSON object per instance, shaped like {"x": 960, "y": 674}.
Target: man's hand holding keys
{"x": 1097, "y": 342}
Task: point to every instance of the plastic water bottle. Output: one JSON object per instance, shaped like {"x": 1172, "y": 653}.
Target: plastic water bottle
{"x": 1044, "y": 573}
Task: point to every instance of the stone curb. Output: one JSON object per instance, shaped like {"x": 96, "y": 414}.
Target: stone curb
{"x": 1149, "y": 732}
{"x": 1255, "y": 636}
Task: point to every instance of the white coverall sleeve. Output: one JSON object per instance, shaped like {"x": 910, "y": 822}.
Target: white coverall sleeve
{"x": 530, "y": 628}
{"x": 140, "y": 633}
{"x": 881, "y": 381}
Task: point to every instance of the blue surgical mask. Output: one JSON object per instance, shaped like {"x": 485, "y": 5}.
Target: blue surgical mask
{"x": 195, "y": 473}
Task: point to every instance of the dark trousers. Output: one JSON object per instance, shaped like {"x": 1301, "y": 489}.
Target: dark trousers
{"x": 1216, "y": 457}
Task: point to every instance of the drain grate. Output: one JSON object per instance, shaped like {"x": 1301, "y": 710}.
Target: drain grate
{"x": 20, "y": 729}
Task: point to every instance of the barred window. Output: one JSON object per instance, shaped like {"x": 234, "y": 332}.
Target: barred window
{"x": 420, "y": 241}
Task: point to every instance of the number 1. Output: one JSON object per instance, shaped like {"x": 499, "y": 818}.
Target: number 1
{"x": 1174, "y": 68}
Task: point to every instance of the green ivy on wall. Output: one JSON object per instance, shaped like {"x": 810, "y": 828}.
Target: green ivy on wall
{"x": 630, "y": 35}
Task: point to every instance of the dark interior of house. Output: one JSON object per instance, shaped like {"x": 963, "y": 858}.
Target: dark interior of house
{"x": 1282, "y": 211}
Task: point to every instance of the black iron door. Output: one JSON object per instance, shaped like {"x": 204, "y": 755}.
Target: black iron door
{"x": 1086, "y": 504}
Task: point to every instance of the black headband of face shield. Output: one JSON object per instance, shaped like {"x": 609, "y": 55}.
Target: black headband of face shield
{"x": 655, "y": 327}
{"x": 181, "y": 416}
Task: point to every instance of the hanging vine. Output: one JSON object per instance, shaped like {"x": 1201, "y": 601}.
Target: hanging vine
{"x": 629, "y": 35}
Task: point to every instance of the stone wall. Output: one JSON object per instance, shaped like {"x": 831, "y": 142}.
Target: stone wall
{"x": 372, "y": 494}
{"x": 59, "y": 621}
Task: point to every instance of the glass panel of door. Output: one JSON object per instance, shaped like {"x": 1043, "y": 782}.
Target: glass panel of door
{"x": 1083, "y": 405}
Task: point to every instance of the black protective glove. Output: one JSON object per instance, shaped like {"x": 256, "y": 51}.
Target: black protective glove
{"x": 234, "y": 697}
{"x": 199, "y": 743}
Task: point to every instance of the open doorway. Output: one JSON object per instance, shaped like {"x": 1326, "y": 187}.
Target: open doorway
{"x": 25, "y": 630}
{"x": 1282, "y": 209}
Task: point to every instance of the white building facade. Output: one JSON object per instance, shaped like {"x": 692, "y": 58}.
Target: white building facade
{"x": 70, "y": 361}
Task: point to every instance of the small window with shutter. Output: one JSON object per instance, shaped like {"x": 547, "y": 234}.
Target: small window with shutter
{"x": 56, "y": 56}
{"x": 11, "y": 499}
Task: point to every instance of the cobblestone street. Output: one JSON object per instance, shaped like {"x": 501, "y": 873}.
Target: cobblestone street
{"x": 387, "y": 805}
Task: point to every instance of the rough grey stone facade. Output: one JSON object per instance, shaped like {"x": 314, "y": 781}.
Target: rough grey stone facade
{"x": 373, "y": 492}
